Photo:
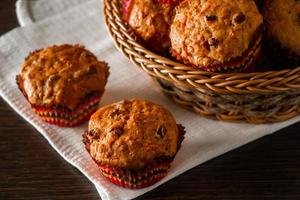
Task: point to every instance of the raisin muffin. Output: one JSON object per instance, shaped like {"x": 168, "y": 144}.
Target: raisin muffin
{"x": 133, "y": 142}
{"x": 63, "y": 83}
{"x": 150, "y": 20}
{"x": 216, "y": 35}
{"x": 282, "y": 30}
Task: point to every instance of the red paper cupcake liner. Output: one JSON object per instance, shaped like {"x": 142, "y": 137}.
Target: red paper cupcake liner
{"x": 66, "y": 117}
{"x": 135, "y": 179}
{"x": 126, "y": 9}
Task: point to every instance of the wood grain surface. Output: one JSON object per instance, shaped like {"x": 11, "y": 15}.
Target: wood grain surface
{"x": 30, "y": 169}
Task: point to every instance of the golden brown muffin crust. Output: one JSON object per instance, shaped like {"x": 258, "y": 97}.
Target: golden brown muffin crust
{"x": 62, "y": 76}
{"x": 210, "y": 32}
{"x": 130, "y": 134}
{"x": 282, "y": 21}
{"x": 151, "y": 21}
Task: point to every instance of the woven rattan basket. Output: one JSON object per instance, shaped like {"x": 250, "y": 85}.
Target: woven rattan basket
{"x": 258, "y": 97}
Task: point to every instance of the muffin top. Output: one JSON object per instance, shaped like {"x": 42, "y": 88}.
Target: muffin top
{"x": 131, "y": 133}
{"x": 211, "y": 32}
{"x": 282, "y": 20}
{"x": 62, "y": 76}
{"x": 150, "y": 20}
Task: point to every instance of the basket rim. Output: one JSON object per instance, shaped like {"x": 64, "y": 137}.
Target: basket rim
{"x": 268, "y": 82}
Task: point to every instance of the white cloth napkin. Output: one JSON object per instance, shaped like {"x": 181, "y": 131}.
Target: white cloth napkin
{"x": 84, "y": 24}
{"x": 30, "y": 11}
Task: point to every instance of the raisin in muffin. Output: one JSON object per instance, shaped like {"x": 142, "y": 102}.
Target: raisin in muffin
{"x": 216, "y": 35}
{"x": 133, "y": 142}
{"x": 63, "y": 84}
{"x": 282, "y": 30}
{"x": 150, "y": 20}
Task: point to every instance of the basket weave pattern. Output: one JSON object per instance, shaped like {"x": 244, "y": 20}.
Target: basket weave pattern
{"x": 257, "y": 97}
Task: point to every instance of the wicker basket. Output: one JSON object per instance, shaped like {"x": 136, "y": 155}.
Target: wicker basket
{"x": 258, "y": 97}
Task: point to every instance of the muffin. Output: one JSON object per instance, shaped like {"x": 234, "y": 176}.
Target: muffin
{"x": 282, "y": 30}
{"x": 150, "y": 20}
{"x": 216, "y": 35}
{"x": 133, "y": 142}
{"x": 63, "y": 84}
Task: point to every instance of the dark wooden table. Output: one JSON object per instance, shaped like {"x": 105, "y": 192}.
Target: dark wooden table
{"x": 31, "y": 169}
